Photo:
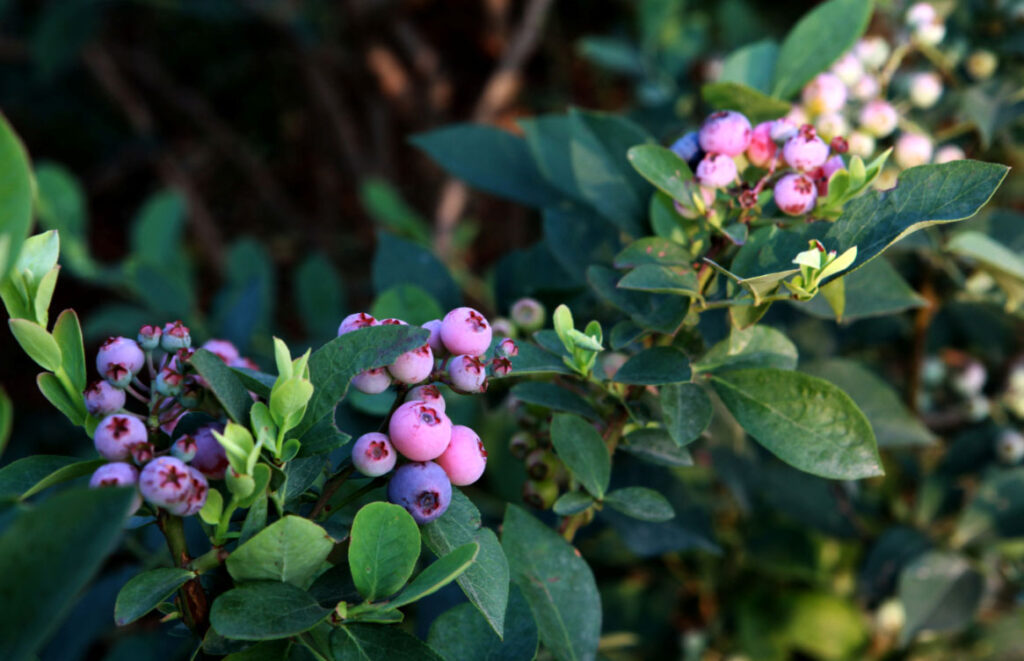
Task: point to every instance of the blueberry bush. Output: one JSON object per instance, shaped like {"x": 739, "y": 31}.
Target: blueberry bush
{"x": 754, "y": 392}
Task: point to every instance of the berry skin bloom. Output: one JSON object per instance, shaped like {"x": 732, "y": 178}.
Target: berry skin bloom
{"x": 165, "y": 482}
{"x": 419, "y": 431}
{"x": 372, "y": 382}
{"x": 355, "y": 322}
{"x": 826, "y": 93}
{"x": 465, "y": 458}
{"x": 429, "y": 395}
{"x": 413, "y": 366}
{"x": 716, "y": 171}
{"x": 423, "y": 489}
{"x": 925, "y": 89}
{"x": 468, "y": 374}
{"x": 175, "y": 336}
{"x": 912, "y": 149}
{"x": 466, "y": 331}
{"x": 762, "y": 147}
{"x": 373, "y": 454}
{"x": 436, "y": 345}
{"x": 725, "y": 132}
{"x": 120, "y": 351}
{"x": 878, "y": 118}
{"x": 101, "y": 398}
{"x": 805, "y": 151}
{"x": 210, "y": 458}
{"x": 795, "y": 194}
{"x": 116, "y": 435}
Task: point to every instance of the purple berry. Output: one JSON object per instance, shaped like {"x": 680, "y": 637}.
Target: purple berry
{"x": 372, "y": 382}
{"x": 716, "y": 171}
{"x": 421, "y": 488}
{"x": 373, "y": 455}
{"x": 184, "y": 448}
{"x": 123, "y": 353}
{"x": 508, "y": 348}
{"x": 165, "y": 482}
{"x": 468, "y": 374}
{"x": 355, "y": 322}
{"x": 198, "y": 489}
{"x": 436, "y": 345}
{"x": 223, "y": 349}
{"x": 825, "y": 94}
{"x": 101, "y": 398}
{"x": 465, "y": 331}
{"x": 175, "y": 336}
{"x": 725, "y": 132}
{"x": 465, "y": 458}
{"x": 419, "y": 431}
{"x": 117, "y": 434}
{"x": 805, "y": 151}
{"x": 210, "y": 457}
{"x": 413, "y": 366}
{"x": 688, "y": 149}
{"x": 795, "y": 194}
{"x": 149, "y": 337}
{"x": 429, "y": 395}
{"x": 114, "y": 474}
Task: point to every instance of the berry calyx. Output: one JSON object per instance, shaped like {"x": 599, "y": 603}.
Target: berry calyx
{"x": 805, "y": 150}
{"x": 355, "y": 322}
{"x": 423, "y": 489}
{"x": 429, "y": 395}
{"x": 373, "y": 454}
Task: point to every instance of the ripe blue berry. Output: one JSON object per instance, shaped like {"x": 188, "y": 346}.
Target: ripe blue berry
{"x": 210, "y": 458}
{"x": 688, "y": 149}
{"x": 116, "y": 435}
{"x": 716, "y": 171}
{"x": 465, "y": 331}
{"x": 421, "y": 488}
{"x": 795, "y": 194}
{"x": 175, "y": 336}
{"x": 165, "y": 482}
{"x": 725, "y": 132}
{"x": 373, "y": 455}
{"x": 101, "y": 398}
{"x": 468, "y": 374}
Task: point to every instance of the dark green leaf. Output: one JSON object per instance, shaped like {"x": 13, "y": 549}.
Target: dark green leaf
{"x": 578, "y": 237}
{"x": 22, "y": 474}
{"x": 581, "y": 449}
{"x": 383, "y": 550}
{"x": 660, "y": 312}
{"x": 373, "y": 642}
{"x": 225, "y": 385}
{"x": 996, "y": 511}
{"x": 62, "y": 474}
{"x": 265, "y": 611}
{"x": 640, "y": 503}
{"x": 664, "y": 169}
{"x": 687, "y": 411}
{"x": 383, "y": 202}
{"x": 756, "y": 346}
{"x": 940, "y": 592}
{"x": 655, "y": 366}
{"x": 409, "y": 303}
{"x": 146, "y": 591}
{"x": 6, "y": 420}
{"x": 319, "y": 296}
{"x": 572, "y": 502}
{"x": 400, "y": 262}
{"x": 756, "y": 105}
{"x": 549, "y": 138}
{"x": 461, "y": 634}
{"x": 553, "y": 397}
{"x": 653, "y": 250}
{"x": 291, "y": 550}
{"x": 676, "y": 280}
{"x": 439, "y": 574}
{"x": 534, "y": 360}
{"x": 656, "y": 446}
{"x": 752, "y": 65}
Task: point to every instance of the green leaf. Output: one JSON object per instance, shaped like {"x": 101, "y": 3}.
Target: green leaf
{"x": 319, "y": 295}
{"x": 439, "y": 574}
{"x": 678, "y": 280}
{"x": 37, "y": 343}
{"x": 991, "y": 254}
{"x": 400, "y": 262}
{"x": 756, "y": 346}
{"x": 225, "y": 385}
{"x": 752, "y": 65}
{"x": 43, "y": 295}
{"x": 660, "y": 312}
{"x": 756, "y": 105}
{"x": 893, "y": 423}
{"x": 572, "y": 502}
{"x": 687, "y": 411}
{"x": 291, "y": 550}
{"x": 372, "y": 642}
{"x": 265, "y": 611}
{"x": 384, "y": 203}
{"x": 534, "y": 360}
{"x": 60, "y": 205}
{"x": 146, "y": 591}
{"x": 548, "y": 138}
{"x": 47, "y": 557}
{"x": 940, "y": 592}
{"x": 816, "y": 41}
{"x": 553, "y": 397}
{"x": 656, "y": 446}
{"x": 490, "y": 159}
{"x": 652, "y": 250}
{"x": 54, "y": 391}
{"x": 461, "y": 634}
{"x": 68, "y": 334}
{"x": 640, "y": 503}
{"x": 996, "y": 511}
{"x": 22, "y": 474}
{"x": 409, "y": 303}
{"x": 158, "y": 230}
{"x": 807, "y": 422}
{"x": 654, "y": 367}
{"x": 485, "y": 582}
{"x": 16, "y": 192}
{"x": 664, "y": 169}
{"x": 6, "y": 419}
{"x": 556, "y": 582}
{"x": 63, "y": 474}
{"x": 581, "y": 449}
{"x": 383, "y": 550}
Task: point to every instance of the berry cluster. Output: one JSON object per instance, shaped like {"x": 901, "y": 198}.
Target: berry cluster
{"x": 169, "y": 475}
{"x": 440, "y": 453}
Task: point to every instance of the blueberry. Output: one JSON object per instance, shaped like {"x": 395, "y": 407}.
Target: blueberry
{"x": 421, "y": 488}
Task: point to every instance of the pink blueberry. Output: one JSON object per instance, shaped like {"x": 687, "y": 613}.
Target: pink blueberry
{"x": 419, "y": 431}
{"x": 795, "y": 194}
{"x": 210, "y": 458}
{"x": 165, "y": 482}
{"x": 467, "y": 373}
{"x": 878, "y": 118}
{"x": 925, "y": 89}
{"x": 436, "y": 345}
{"x": 466, "y": 331}
{"x": 117, "y": 434}
{"x": 949, "y": 153}
{"x": 826, "y": 93}
{"x": 117, "y": 474}
{"x": 373, "y": 454}
{"x": 465, "y": 458}
{"x": 373, "y": 381}
{"x": 101, "y": 398}
{"x": 762, "y": 148}
{"x": 120, "y": 351}
{"x": 805, "y": 151}
{"x": 429, "y": 395}
{"x": 716, "y": 171}
{"x": 912, "y": 149}
{"x": 508, "y": 348}
{"x": 184, "y": 448}
{"x": 223, "y": 349}
{"x": 175, "y": 336}
{"x": 413, "y": 366}
{"x": 423, "y": 489}
{"x": 725, "y": 132}
{"x": 356, "y": 321}
{"x": 392, "y": 322}
{"x": 196, "y": 498}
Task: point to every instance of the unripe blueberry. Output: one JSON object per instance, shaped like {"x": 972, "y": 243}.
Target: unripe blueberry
{"x": 373, "y": 381}
{"x": 981, "y": 64}
{"x": 949, "y": 153}
{"x": 465, "y": 458}
{"x": 223, "y": 349}
{"x": 392, "y": 322}
{"x": 725, "y": 132}
{"x": 429, "y": 395}
{"x": 117, "y": 434}
{"x": 528, "y": 314}
{"x": 356, "y": 321}
{"x": 373, "y": 455}
{"x": 762, "y": 147}
{"x": 196, "y": 498}
{"x": 688, "y": 149}
{"x": 795, "y": 194}
{"x": 149, "y": 337}
{"x": 878, "y": 118}
{"x": 413, "y": 366}
{"x": 824, "y": 94}
{"x": 423, "y": 489}
{"x": 848, "y": 69}
{"x": 931, "y": 34}
{"x": 540, "y": 494}
{"x": 507, "y": 348}
{"x": 912, "y": 149}
{"x": 434, "y": 341}
{"x": 831, "y": 125}
{"x": 872, "y": 51}
{"x": 887, "y": 179}
{"x": 925, "y": 89}
{"x": 211, "y": 459}
{"x": 920, "y": 13}
{"x": 191, "y": 395}
{"x": 142, "y": 452}
{"x": 521, "y": 444}
{"x": 175, "y": 336}
{"x": 184, "y": 448}
{"x": 891, "y": 616}
{"x": 419, "y": 431}
{"x": 866, "y": 88}
{"x": 114, "y": 474}
{"x": 861, "y": 144}
{"x": 541, "y": 464}
{"x": 101, "y": 398}
{"x": 716, "y": 171}
{"x": 165, "y": 482}
{"x": 503, "y": 327}
{"x": 120, "y": 351}
{"x": 466, "y": 331}
{"x": 168, "y": 382}
{"x": 805, "y": 151}
{"x": 467, "y": 374}
{"x": 971, "y": 379}
{"x": 499, "y": 367}
{"x": 1010, "y": 447}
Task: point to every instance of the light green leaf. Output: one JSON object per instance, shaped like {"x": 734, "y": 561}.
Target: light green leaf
{"x": 56, "y": 394}
{"x": 37, "y": 343}
{"x": 291, "y": 550}
{"x": 664, "y": 169}
{"x": 67, "y": 332}
{"x": 383, "y": 551}
{"x": 16, "y": 192}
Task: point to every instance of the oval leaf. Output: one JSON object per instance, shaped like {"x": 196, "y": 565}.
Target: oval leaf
{"x": 654, "y": 367}
{"x": 641, "y": 503}
{"x": 384, "y": 548}
{"x": 289, "y": 550}
{"x": 687, "y": 411}
{"x": 580, "y": 447}
{"x": 265, "y": 611}
{"x": 146, "y": 591}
